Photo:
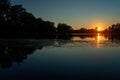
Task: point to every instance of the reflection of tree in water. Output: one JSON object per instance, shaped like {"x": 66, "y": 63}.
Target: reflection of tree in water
{"x": 87, "y": 36}
{"x": 70, "y": 37}
{"x": 64, "y": 37}
{"x": 101, "y": 40}
{"x": 114, "y": 38}
{"x": 8, "y": 55}
{"x": 18, "y": 50}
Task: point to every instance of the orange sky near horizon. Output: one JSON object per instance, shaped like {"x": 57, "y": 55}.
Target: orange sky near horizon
{"x": 100, "y": 26}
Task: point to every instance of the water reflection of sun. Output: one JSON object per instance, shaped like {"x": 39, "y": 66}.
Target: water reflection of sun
{"x": 99, "y": 39}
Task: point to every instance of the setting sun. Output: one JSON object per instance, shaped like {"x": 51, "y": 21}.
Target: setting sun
{"x": 99, "y": 29}
{"x": 100, "y": 26}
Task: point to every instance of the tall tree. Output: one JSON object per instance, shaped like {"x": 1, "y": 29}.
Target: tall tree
{"x": 4, "y": 10}
{"x": 16, "y": 12}
{"x": 64, "y": 28}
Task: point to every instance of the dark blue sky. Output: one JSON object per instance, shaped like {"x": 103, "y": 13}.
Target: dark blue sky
{"x": 77, "y": 13}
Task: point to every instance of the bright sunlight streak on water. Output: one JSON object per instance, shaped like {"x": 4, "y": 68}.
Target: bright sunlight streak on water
{"x": 99, "y": 40}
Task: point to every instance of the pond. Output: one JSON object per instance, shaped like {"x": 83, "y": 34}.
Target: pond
{"x": 79, "y": 57}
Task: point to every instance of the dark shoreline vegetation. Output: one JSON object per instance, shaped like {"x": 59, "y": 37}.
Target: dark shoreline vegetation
{"x": 16, "y": 22}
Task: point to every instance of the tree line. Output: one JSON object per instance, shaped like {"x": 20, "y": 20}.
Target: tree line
{"x": 15, "y": 21}
{"x": 113, "y": 29}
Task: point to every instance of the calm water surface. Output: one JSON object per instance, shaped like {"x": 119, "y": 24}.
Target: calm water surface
{"x": 96, "y": 57}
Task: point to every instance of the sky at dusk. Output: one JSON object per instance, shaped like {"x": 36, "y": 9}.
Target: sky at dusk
{"x": 77, "y": 13}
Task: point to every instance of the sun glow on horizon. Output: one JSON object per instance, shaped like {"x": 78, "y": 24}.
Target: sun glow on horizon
{"x": 99, "y": 29}
{"x": 100, "y": 26}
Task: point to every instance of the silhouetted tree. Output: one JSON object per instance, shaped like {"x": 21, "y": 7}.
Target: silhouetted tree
{"x": 16, "y": 12}
{"x": 83, "y": 30}
{"x": 15, "y": 21}
{"x": 4, "y": 10}
{"x": 49, "y": 27}
{"x": 28, "y": 23}
{"x": 64, "y": 29}
{"x": 114, "y": 29}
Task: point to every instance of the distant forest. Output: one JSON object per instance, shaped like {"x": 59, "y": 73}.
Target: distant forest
{"x": 16, "y": 22}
